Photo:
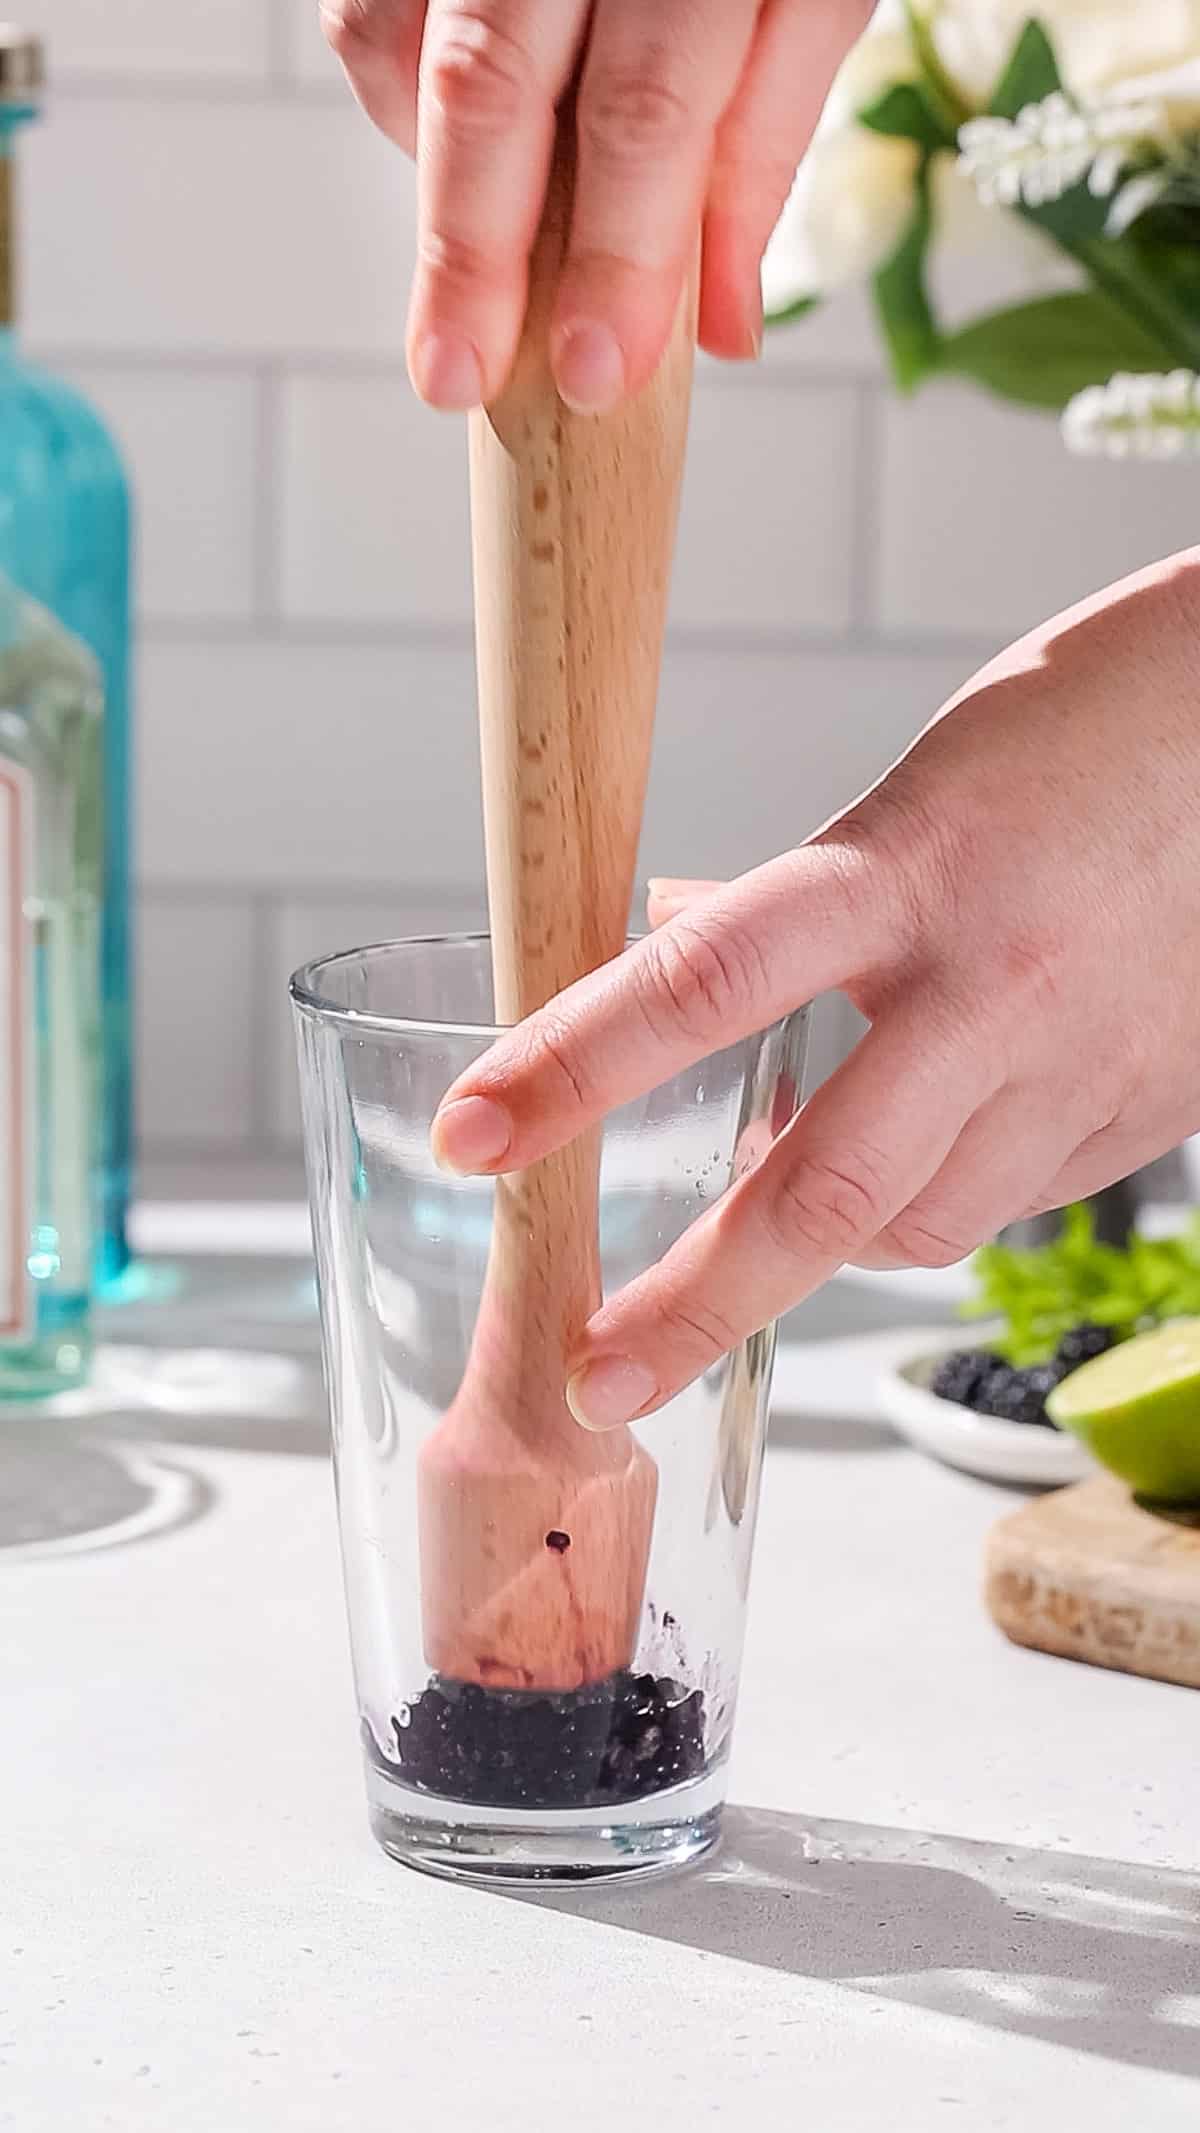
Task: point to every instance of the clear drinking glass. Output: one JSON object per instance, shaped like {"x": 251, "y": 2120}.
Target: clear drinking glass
{"x": 566, "y": 1779}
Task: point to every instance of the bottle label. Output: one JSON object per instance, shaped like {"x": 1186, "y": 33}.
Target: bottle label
{"x": 17, "y": 1090}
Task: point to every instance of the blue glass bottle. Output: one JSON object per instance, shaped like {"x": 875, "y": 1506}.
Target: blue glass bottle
{"x": 64, "y": 539}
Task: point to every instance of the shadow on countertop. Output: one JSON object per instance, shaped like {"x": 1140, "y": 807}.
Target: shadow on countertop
{"x": 1093, "y": 1954}
{"x": 109, "y": 1467}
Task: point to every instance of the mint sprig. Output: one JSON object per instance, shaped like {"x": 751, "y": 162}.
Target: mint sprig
{"x": 1042, "y": 1293}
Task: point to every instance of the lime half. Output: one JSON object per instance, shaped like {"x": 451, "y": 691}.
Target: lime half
{"x": 1137, "y": 1407}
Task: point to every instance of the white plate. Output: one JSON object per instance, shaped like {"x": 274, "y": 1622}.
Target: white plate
{"x": 978, "y": 1444}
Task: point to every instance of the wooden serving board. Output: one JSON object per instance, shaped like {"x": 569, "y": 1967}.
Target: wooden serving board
{"x": 1086, "y": 1574}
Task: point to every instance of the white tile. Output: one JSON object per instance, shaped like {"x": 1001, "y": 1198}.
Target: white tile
{"x": 190, "y": 446}
{"x": 194, "y": 1021}
{"x": 227, "y": 228}
{"x": 301, "y": 764}
{"x": 841, "y": 336}
{"x": 165, "y": 37}
{"x": 754, "y": 751}
{"x": 309, "y": 57}
{"x": 987, "y": 524}
{"x": 375, "y": 520}
{"x": 343, "y": 766}
{"x": 766, "y": 526}
{"x": 374, "y": 515}
{"x": 311, "y": 926}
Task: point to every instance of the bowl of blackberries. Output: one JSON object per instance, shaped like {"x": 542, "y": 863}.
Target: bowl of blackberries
{"x": 978, "y": 1400}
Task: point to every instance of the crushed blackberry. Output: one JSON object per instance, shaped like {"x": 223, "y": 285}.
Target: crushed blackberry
{"x": 613, "y": 1741}
{"x": 984, "y": 1382}
{"x": 961, "y": 1376}
{"x": 1029, "y": 1403}
{"x": 1082, "y": 1344}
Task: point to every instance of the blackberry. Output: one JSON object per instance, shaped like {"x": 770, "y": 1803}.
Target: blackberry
{"x": 1020, "y": 1395}
{"x": 1081, "y": 1344}
{"x": 1000, "y": 1393}
{"x": 961, "y": 1377}
{"x": 1039, "y": 1381}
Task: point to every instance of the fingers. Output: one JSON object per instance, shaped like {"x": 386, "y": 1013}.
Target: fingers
{"x": 491, "y": 72}
{"x": 656, "y": 82}
{"x": 862, "y": 1150}
{"x": 1005, "y": 1156}
{"x": 759, "y": 143}
{"x": 1105, "y": 1158}
{"x": 379, "y": 43}
{"x": 755, "y": 951}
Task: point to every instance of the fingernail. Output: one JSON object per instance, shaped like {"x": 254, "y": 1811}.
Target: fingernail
{"x": 670, "y": 906}
{"x": 589, "y": 368}
{"x": 606, "y": 1393}
{"x": 470, "y": 1135}
{"x": 447, "y": 371}
{"x": 676, "y": 888}
{"x": 753, "y": 314}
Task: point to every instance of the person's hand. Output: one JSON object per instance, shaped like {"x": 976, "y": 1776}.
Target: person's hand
{"x": 1016, "y": 910}
{"x": 689, "y": 112}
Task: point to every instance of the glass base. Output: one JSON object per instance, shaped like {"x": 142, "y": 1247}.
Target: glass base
{"x": 536, "y": 1850}
{"x": 57, "y": 1359}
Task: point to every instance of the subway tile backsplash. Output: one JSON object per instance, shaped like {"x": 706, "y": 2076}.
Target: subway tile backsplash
{"x": 217, "y": 247}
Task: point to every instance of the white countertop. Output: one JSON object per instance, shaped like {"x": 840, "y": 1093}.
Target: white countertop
{"x": 959, "y": 1885}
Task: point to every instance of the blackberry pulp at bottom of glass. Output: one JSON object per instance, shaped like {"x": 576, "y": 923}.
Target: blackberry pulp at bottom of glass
{"x": 449, "y": 1514}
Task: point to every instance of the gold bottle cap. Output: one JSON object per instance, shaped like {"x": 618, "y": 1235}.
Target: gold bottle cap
{"x": 22, "y": 64}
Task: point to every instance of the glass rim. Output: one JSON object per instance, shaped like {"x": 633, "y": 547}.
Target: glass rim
{"x": 304, "y": 987}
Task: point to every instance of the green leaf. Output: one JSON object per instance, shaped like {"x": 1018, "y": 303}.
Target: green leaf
{"x": 942, "y": 93}
{"x": 1078, "y": 216}
{"x": 1043, "y": 352}
{"x": 902, "y": 299}
{"x": 906, "y": 113}
{"x": 1031, "y": 74}
{"x": 799, "y": 309}
{"x": 1155, "y": 284}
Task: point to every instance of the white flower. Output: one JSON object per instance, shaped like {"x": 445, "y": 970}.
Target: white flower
{"x": 981, "y": 261}
{"x": 1051, "y": 145}
{"x": 847, "y": 212}
{"x": 1145, "y": 416}
{"x": 853, "y": 194}
{"x": 1135, "y": 196}
{"x": 1100, "y": 44}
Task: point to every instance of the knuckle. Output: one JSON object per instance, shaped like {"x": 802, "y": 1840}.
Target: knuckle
{"x": 457, "y": 263}
{"x": 632, "y": 114}
{"x": 697, "y": 1329}
{"x": 754, "y": 184}
{"x": 921, "y": 1239}
{"x": 479, "y": 74}
{"x": 700, "y": 976}
{"x": 817, "y": 1208}
{"x": 554, "y": 1055}
{"x": 346, "y": 26}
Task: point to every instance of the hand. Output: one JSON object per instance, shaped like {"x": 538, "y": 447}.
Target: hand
{"x": 1016, "y": 910}
{"x": 689, "y": 111}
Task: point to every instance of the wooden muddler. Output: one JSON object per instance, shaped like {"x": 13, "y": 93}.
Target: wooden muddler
{"x": 534, "y": 1535}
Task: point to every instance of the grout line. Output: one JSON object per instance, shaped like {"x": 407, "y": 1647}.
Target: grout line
{"x": 356, "y": 364}
{"x": 460, "y": 903}
{"x": 267, "y": 529}
{"x": 279, "y": 633}
{"x": 276, "y": 86}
